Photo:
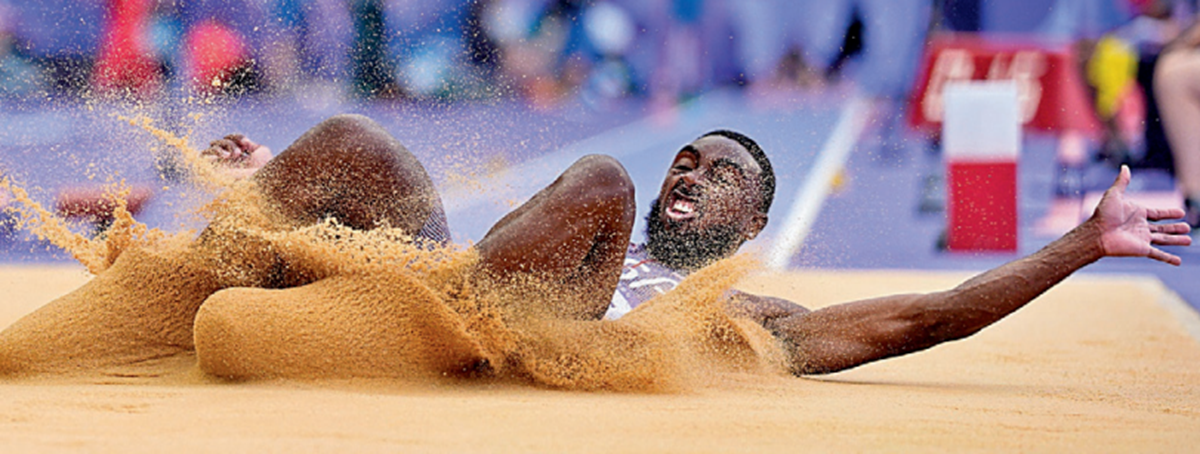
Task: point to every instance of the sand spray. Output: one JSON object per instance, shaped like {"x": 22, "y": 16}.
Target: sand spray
{"x": 255, "y": 298}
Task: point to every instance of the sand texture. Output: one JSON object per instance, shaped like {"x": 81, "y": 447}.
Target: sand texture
{"x": 1095, "y": 364}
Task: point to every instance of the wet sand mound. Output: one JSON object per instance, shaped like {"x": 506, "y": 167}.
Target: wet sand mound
{"x": 378, "y": 307}
{"x": 380, "y": 324}
{"x": 114, "y": 321}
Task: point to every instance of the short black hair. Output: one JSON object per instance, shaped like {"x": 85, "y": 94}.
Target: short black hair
{"x": 767, "y": 179}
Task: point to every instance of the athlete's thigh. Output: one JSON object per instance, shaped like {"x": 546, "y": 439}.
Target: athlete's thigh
{"x": 572, "y": 234}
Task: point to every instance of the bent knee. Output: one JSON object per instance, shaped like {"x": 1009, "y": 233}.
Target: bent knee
{"x": 600, "y": 166}
{"x": 603, "y": 175}
{"x": 349, "y": 122}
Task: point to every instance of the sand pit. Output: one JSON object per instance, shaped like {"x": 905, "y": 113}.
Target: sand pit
{"x": 1096, "y": 363}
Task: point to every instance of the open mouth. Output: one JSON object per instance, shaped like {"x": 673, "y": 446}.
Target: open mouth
{"x": 680, "y": 207}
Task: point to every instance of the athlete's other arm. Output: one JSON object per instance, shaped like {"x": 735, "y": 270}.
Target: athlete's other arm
{"x": 848, "y": 335}
{"x": 237, "y": 155}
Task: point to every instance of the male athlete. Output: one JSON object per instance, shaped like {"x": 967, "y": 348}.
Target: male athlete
{"x": 574, "y": 234}
{"x": 715, "y": 197}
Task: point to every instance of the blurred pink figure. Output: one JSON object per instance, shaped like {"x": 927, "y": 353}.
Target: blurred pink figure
{"x": 125, "y": 61}
{"x": 1177, "y": 87}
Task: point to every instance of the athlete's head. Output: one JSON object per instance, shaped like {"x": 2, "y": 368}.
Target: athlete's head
{"x": 716, "y": 196}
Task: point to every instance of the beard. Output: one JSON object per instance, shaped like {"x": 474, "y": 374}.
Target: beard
{"x": 687, "y": 249}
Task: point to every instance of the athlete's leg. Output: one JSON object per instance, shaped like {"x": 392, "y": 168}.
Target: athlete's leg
{"x": 349, "y": 168}
{"x": 573, "y": 234}
{"x": 144, "y": 305}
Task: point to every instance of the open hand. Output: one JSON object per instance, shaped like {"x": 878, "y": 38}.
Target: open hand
{"x": 1127, "y": 229}
{"x": 238, "y": 154}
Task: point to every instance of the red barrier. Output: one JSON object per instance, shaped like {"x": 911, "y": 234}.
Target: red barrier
{"x": 1051, "y": 94}
{"x": 981, "y": 209}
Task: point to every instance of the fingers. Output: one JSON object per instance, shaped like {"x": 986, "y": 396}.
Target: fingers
{"x": 1123, "y": 178}
{"x": 1162, "y": 239}
{"x": 1179, "y": 228}
{"x": 1164, "y": 257}
{"x": 230, "y": 149}
{"x": 223, "y": 148}
{"x": 1158, "y": 214}
{"x": 247, "y": 146}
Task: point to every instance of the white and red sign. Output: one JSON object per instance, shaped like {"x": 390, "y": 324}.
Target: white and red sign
{"x": 981, "y": 141}
{"x": 1050, "y": 90}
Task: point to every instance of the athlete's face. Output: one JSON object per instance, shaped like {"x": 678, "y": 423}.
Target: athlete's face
{"x": 708, "y": 205}
{"x": 713, "y": 182}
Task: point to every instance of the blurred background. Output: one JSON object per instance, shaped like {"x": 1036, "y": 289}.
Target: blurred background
{"x": 475, "y": 87}
{"x": 542, "y": 51}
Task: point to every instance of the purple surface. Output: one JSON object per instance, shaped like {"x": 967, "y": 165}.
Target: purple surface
{"x": 874, "y": 222}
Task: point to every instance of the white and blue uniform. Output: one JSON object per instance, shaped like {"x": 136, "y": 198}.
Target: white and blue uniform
{"x": 435, "y": 232}
{"x": 642, "y": 278}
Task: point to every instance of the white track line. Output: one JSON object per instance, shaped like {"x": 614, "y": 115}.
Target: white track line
{"x": 1179, "y": 308}
{"x": 1174, "y": 304}
{"x": 811, "y": 196}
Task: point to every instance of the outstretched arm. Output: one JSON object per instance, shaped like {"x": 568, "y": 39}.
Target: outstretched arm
{"x": 848, "y": 335}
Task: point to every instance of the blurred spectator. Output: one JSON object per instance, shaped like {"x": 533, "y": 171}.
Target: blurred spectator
{"x": 62, "y": 37}
{"x": 125, "y": 65}
{"x": 610, "y": 30}
{"x": 1117, "y": 44}
{"x": 531, "y": 38}
{"x": 1122, "y": 71}
{"x": 306, "y": 42}
{"x": 218, "y": 60}
{"x": 796, "y": 42}
{"x": 222, "y": 44}
{"x": 434, "y": 54}
{"x": 1177, "y": 84}
{"x": 372, "y": 72}
{"x": 545, "y": 50}
{"x": 894, "y": 34}
{"x": 18, "y": 77}
{"x": 683, "y": 69}
{"x": 281, "y": 50}
{"x": 164, "y": 37}
{"x": 328, "y": 30}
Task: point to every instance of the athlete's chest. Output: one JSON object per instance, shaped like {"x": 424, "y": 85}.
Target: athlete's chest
{"x": 644, "y": 275}
{"x": 641, "y": 280}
